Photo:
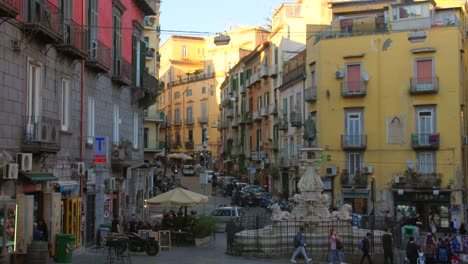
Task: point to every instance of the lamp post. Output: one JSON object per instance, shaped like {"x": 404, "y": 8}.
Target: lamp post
{"x": 372, "y": 214}
{"x": 205, "y": 145}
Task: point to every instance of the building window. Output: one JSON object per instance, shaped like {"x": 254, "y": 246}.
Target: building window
{"x": 93, "y": 25}
{"x": 91, "y": 124}
{"x": 189, "y": 92}
{"x": 117, "y": 41}
{"x": 204, "y": 109}
{"x": 190, "y": 135}
{"x": 354, "y": 163}
{"x": 176, "y": 95}
{"x": 353, "y": 79}
{"x": 145, "y": 137}
{"x": 65, "y": 105}
{"x": 354, "y": 127}
{"x": 285, "y": 106}
{"x": 204, "y": 131}
{"x": 408, "y": 12}
{"x": 425, "y": 124}
{"x": 139, "y": 59}
{"x": 135, "y": 130}
{"x": 259, "y": 139}
{"x": 177, "y": 115}
{"x": 189, "y": 115}
{"x": 424, "y": 71}
{"x": 211, "y": 90}
{"x": 184, "y": 51}
{"x": 426, "y": 162}
{"x": 203, "y": 90}
{"x": 116, "y": 124}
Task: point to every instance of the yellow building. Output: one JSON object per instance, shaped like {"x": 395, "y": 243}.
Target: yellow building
{"x": 389, "y": 99}
{"x": 193, "y": 69}
{"x": 153, "y": 117}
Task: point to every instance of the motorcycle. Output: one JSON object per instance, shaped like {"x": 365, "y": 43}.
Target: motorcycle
{"x": 134, "y": 243}
{"x": 137, "y": 243}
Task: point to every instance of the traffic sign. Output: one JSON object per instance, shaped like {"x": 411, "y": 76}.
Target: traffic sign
{"x": 100, "y": 147}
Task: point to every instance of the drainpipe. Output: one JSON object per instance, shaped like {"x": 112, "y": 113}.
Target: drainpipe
{"x": 82, "y": 125}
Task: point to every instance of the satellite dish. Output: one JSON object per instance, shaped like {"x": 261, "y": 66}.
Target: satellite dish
{"x": 410, "y": 164}
{"x": 365, "y": 76}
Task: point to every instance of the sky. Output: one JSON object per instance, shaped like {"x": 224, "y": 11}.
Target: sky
{"x": 202, "y": 18}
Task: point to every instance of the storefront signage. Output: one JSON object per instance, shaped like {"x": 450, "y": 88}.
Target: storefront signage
{"x": 423, "y": 196}
{"x": 100, "y": 150}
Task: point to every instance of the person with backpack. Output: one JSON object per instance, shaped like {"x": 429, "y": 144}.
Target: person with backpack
{"x": 412, "y": 251}
{"x": 300, "y": 245}
{"x": 364, "y": 246}
{"x": 336, "y": 247}
{"x": 387, "y": 244}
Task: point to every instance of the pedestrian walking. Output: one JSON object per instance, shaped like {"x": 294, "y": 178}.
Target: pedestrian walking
{"x": 299, "y": 244}
{"x": 412, "y": 251}
{"x": 115, "y": 228}
{"x": 365, "y": 247}
{"x": 336, "y": 247}
{"x": 387, "y": 244}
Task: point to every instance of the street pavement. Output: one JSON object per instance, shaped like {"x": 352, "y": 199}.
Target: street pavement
{"x": 213, "y": 253}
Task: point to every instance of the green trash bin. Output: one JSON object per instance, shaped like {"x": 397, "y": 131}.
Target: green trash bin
{"x": 407, "y": 231}
{"x": 65, "y": 244}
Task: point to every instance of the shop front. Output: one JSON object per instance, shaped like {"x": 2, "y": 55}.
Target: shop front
{"x": 359, "y": 200}
{"x": 422, "y": 206}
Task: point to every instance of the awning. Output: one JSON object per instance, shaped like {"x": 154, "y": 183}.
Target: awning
{"x": 39, "y": 176}
{"x": 68, "y": 186}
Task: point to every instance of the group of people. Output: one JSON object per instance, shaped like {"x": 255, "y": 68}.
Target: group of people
{"x": 40, "y": 231}
{"x": 444, "y": 249}
{"x": 131, "y": 226}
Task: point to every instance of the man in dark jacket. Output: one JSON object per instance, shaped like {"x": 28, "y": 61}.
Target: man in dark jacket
{"x": 300, "y": 247}
{"x": 412, "y": 251}
{"x": 387, "y": 244}
{"x": 366, "y": 248}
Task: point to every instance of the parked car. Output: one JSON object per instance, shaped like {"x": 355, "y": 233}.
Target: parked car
{"x": 224, "y": 214}
{"x": 188, "y": 170}
{"x": 253, "y": 188}
{"x": 209, "y": 175}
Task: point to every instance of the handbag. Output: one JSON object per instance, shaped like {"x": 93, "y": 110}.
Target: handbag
{"x": 339, "y": 244}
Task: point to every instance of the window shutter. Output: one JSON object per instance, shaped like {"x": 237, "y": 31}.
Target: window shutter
{"x": 134, "y": 59}
{"x": 143, "y": 62}
{"x": 242, "y": 78}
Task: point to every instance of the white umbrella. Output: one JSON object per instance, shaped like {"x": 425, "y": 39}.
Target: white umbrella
{"x": 178, "y": 197}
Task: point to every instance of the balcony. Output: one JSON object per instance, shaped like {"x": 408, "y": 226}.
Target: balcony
{"x": 235, "y": 122}
{"x": 424, "y": 85}
{"x": 263, "y": 71}
{"x": 146, "y": 94}
{"x": 43, "y": 21}
{"x": 203, "y": 120}
{"x": 294, "y": 75}
{"x": 195, "y": 77}
{"x": 249, "y": 120}
{"x": 99, "y": 56}
{"x": 230, "y": 113}
{"x": 310, "y": 94}
{"x": 273, "y": 71}
{"x": 42, "y": 134}
{"x": 353, "y": 142}
{"x": 189, "y": 145}
{"x": 274, "y": 109}
{"x": 425, "y": 141}
{"x": 73, "y": 41}
{"x": 417, "y": 180}
{"x": 353, "y": 89}
{"x": 295, "y": 118}
{"x": 10, "y": 8}
{"x": 242, "y": 88}
{"x": 248, "y": 82}
{"x": 150, "y": 84}
{"x": 283, "y": 124}
{"x": 150, "y": 22}
{"x": 146, "y": 6}
{"x": 257, "y": 116}
{"x": 157, "y": 117}
{"x": 150, "y": 53}
{"x": 243, "y": 119}
{"x": 189, "y": 121}
{"x": 122, "y": 72}
{"x": 264, "y": 111}
{"x": 177, "y": 122}
{"x": 274, "y": 145}
{"x": 358, "y": 181}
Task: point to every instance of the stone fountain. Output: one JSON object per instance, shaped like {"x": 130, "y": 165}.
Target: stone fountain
{"x": 310, "y": 211}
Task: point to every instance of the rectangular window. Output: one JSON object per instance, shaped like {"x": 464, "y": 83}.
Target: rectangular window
{"x": 190, "y": 135}
{"x": 139, "y": 60}
{"x": 204, "y": 109}
{"x": 189, "y": 92}
{"x": 285, "y": 107}
{"x": 353, "y": 78}
{"x": 266, "y": 99}
{"x": 298, "y": 102}
{"x": 354, "y": 163}
{"x": 177, "y": 115}
{"x": 65, "y": 104}
{"x": 426, "y": 162}
{"x": 145, "y": 137}
{"x": 189, "y": 114}
{"x": 426, "y": 124}
{"x": 204, "y": 131}
{"x": 259, "y": 103}
{"x": 34, "y": 90}
{"x": 176, "y": 95}
{"x": 424, "y": 69}
{"x": 117, "y": 41}
{"x": 135, "y": 130}
{"x": 354, "y": 126}
{"x": 259, "y": 139}
{"x": 91, "y": 124}
{"x": 93, "y": 25}
{"x": 184, "y": 51}
{"x": 408, "y": 12}
{"x": 116, "y": 124}
{"x": 203, "y": 90}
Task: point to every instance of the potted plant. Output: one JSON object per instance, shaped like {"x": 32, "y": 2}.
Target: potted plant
{"x": 203, "y": 230}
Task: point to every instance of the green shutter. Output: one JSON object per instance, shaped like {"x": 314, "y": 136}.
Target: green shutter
{"x": 134, "y": 58}
{"x": 143, "y": 62}
{"x": 285, "y": 106}
{"x": 242, "y": 78}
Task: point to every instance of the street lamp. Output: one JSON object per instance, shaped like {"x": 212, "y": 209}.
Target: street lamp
{"x": 205, "y": 145}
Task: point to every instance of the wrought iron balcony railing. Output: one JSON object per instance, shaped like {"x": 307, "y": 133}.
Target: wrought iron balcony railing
{"x": 44, "y": 19}
{"x": 273, "y": 71}
{"x": 73, "y": 41}
{"x": 425, "y": 141}
{"x": 310, "y": 94}
{"x": 353, "y": 89}
{"x": 42, "y": 134}
{"x": 99, "y": 55}
{"x": 354, "y": 142}
{"x": 10, "y": 8}
{"x": 122, "y": 72}
{"x": 424, "y": 85}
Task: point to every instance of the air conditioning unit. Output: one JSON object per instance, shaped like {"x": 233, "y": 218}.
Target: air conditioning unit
{"x": 331, "y": 171}
{"x": 9, "y": 171}
{"x": 118, "y": 154}
{"x": 24, "y": 161}
{"x": 79, "y": 168}
{"x": 368, "y": 169}
{"x": 339, "y": 74}
{"x": 90, "y": 177}
{"x": 399, "y": 179}
{"x": 51, "y": 185}
{"x": 465, "y": 140}
{"x": 110, "y": 185}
